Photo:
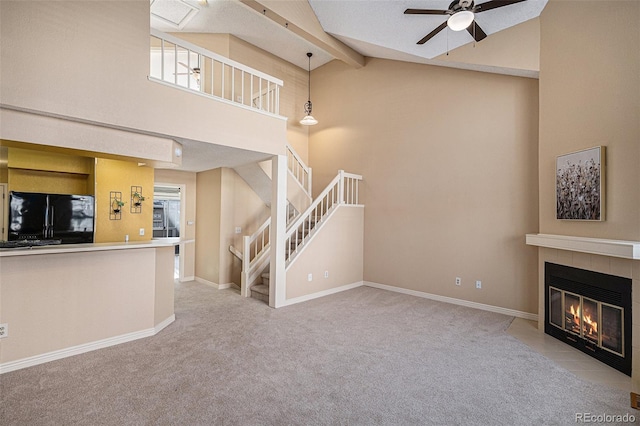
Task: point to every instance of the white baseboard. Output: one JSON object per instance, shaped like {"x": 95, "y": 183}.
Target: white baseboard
{"x": 87, "y": 347}
{"x": 189, "y": 278}
{"x": 461, "y": 302}
{"x": 323, "y": 293}
{"x": 163, "y": 324}
{"x": 212, "y": 284}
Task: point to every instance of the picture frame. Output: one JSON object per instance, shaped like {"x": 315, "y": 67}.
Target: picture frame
{"x": 580, "y": 184}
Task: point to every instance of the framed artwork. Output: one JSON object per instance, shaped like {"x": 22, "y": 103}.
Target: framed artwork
{"x": 580, "y": 185}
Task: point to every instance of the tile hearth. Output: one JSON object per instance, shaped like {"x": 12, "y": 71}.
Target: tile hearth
{"x": 572, "y": 359}
{"x": 614, "y": 257}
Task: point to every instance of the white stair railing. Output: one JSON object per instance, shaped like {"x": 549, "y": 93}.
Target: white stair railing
{"x": 255, "y": 248}
{"x": 184, "y": 65}
{"x": 255, "y": 255}
{"x": 299, "y": 170}
{"x": 343, "y": 189}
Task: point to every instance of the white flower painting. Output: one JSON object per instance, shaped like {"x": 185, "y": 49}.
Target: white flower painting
{"x": 579, "y": 185}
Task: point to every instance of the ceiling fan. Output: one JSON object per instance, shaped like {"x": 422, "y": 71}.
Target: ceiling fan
{"x": 461, "y": 16}
{"x": 195, "y": 71}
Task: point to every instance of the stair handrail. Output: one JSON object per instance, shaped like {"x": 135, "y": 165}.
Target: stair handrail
{"x": 254, "y": 245}
{"x": 343, "y": 189}
{"x": 300, "y": 171}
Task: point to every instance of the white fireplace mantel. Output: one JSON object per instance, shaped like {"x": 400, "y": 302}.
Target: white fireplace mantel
{"x": 613, "y": 248}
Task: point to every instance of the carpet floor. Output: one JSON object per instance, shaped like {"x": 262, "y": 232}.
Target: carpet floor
{"x": 360, "y": 357}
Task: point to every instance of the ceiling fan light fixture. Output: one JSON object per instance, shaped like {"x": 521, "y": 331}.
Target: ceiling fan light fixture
{"x": 460, "y": 20}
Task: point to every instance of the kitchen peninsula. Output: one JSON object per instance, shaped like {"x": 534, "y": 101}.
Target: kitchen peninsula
{"x": 64, "y": 300}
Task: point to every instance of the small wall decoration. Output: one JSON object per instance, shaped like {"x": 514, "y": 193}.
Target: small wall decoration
{"x": 136, "y": 199}
{"x": 115, "y": 205}
{"x": 580, "y": 185}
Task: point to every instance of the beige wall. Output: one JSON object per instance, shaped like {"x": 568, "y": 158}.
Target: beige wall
{"x": 225, "y": 202}
{"x": 243, "y": 208}
{"x": 121, "y": 297}
{"x": 514, "y": 48}
{"x": 208, "y": 211}
{"x": 188, "y": 232}
{"x": 163, "y": 306}
{"x": 293, "y": 94}
{"x": 337, "y": 249}
{"x": 100, "y": 70}
{"x": 449, "y": 160}
{"x": 590, "y": 96}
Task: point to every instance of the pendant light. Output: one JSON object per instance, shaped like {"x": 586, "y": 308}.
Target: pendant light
{"x": 308, "y": 119}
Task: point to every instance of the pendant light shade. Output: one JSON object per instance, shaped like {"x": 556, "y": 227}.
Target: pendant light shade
{"x": 308, "y": 119}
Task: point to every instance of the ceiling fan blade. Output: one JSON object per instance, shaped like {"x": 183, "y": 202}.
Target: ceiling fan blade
{"x": 426, "y": 12}
{"x": 432, "y": 33}
{"x": 476, "y": 32}
{"x": 493, "y": 4}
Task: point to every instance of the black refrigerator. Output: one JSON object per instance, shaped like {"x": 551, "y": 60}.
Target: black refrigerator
{"x": 38, "y": 216}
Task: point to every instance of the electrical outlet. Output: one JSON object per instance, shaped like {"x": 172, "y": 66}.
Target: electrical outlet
{"x": 141, "y": 231}
{"x": 310, "y": 277}
{"x": 458, "y": 281}
{"x": 238, "y": 230}
{"x": 4, "y": 330}
{"x": 478, "y": 284}
{"x": 326, "y": 274}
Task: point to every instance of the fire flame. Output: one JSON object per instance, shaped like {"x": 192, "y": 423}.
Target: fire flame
{"x": 585, "y": 318}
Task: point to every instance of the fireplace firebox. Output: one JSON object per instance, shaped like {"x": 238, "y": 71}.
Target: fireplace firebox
{"x": 591, "y": 312}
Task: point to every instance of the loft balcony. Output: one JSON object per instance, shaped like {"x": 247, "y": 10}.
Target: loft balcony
{"x": 183, "y": 65}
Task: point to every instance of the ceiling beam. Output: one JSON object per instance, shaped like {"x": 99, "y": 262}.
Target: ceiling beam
{"x": 317, "y": 36}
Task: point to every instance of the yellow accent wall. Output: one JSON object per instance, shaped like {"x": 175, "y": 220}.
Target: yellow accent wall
{"x": 40, "y": 171}
{"x": 114, "y": 175}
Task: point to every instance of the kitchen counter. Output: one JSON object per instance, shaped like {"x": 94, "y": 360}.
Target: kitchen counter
{"x": 95, "y": 295}
{"x": 76, "y": 248}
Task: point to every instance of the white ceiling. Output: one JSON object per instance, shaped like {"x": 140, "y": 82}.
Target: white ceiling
{"x": 373, "y": 28}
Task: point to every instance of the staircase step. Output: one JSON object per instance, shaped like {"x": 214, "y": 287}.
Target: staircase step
{"x": 260, "y": 292}
{"x": 260, "y": 288}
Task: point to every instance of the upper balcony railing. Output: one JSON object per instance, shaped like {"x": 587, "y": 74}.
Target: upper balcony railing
{"x": 179, "y": 63}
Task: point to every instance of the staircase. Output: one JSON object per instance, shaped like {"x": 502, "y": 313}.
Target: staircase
{"x": 301, "y": 227}
{"x": 261, "y": 291}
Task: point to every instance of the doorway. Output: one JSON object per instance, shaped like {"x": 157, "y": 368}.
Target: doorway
{"x": 167, "y": 219}
{"x": 3, "y": 211}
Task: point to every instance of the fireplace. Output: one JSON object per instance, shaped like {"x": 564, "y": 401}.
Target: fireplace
{"x": 591, "y": 312}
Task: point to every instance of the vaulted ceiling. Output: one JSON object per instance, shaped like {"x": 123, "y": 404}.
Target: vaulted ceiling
{"x": 331, "y": 29}
{"x": 349, "y": 30}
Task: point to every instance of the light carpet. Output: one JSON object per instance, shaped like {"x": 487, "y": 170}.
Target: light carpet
{"x": 360, "y": 357}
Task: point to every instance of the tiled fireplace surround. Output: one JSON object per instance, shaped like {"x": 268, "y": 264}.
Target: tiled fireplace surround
{"x": 614, "y": 257}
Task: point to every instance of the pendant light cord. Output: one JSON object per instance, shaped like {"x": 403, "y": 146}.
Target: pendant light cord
{"x": 307, "y": 106}
{"x": 309, "y": 76}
